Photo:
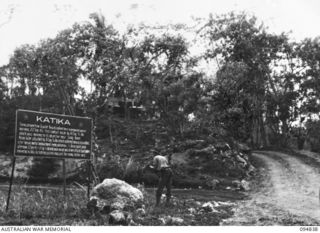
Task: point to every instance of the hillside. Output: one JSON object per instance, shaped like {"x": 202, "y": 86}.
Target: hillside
{"x": 197, "y": 160}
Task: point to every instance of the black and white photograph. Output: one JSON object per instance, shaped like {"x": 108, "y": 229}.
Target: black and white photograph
{"x": 134, "y": 113}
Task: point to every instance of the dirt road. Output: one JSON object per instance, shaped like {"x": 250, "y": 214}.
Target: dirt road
{"x": 287, "y": 193}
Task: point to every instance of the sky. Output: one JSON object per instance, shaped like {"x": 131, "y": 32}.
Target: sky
{"x": 29, "y": 21}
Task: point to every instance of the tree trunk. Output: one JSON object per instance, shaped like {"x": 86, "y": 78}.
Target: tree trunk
{"x": 285, "y": 130}
{"x": 258, "y": 138}
{"x": 255, "y": 134}
{"x": 262, "y": 131}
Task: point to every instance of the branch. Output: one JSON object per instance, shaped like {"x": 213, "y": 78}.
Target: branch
{"x": 11, "y": 11}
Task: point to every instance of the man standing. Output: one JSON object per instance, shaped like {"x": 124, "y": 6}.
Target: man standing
{"x": 162, "y": 166}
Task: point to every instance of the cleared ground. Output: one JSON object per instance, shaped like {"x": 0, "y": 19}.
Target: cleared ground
{"x": 286, "y": 193}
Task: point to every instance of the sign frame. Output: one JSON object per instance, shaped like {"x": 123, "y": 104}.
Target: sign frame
{"x": 88, "y": 158}
{"x": 52, "y": 156}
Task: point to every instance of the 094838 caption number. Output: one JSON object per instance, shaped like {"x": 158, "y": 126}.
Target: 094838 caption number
{"x": 308, "y": 228}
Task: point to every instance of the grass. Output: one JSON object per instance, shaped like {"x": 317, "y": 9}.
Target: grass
{"x": 180, "y": 208}
{"x": 44, "y": 207}
{"x": 34, "y": 206}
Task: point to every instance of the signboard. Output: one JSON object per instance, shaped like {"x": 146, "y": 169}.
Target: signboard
{"x": 51, "y": 135}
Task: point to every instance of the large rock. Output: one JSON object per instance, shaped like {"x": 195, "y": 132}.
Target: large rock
{"x": 208, "y": 207}
{"x": 118, "y": 217}
{"x": 114, "y": 194}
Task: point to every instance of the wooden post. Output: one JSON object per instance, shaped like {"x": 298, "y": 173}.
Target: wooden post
{"x": 64, "y": 160}
{"x": 64, "y": 177}
{"x": 89, "y": 178}
{"x": 11, "y": 180}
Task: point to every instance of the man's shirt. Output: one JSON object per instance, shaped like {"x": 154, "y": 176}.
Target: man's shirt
{"x": 160, "y": 162}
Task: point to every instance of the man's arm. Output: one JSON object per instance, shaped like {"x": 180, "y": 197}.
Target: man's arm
{"x": 154, "y": 164}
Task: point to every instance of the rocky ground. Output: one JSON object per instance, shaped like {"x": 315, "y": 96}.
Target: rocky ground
{"x": 197, "y": 164}
{"x": 46, "y": 206}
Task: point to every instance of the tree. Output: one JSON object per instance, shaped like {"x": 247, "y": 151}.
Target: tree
{"x": 231, "y": 101}
{"x": 6, "y": 15}
{"x": 308, "y": 51}
{"x": 240, "y": 39}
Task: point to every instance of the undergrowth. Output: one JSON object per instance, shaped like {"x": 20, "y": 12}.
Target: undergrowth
{"x": 43, "y": 206}
{"x": 48, "y": 206}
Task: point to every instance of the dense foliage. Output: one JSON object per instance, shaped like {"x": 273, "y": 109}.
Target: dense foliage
{"x": 262, "y": 84}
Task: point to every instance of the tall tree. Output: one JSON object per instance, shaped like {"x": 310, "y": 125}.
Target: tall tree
{"x": 309, "y": 53}
{"x": 239, "y": 38}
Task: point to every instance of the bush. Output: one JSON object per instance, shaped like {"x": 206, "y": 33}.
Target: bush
{"x": 43, "y": 167}
{"x": 313, "y": 128}
{"x": 133, "y": 172}
{"x": 110, "y": 169}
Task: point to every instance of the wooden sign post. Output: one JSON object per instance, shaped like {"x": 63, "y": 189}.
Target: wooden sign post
{"x": 40, "y": 134}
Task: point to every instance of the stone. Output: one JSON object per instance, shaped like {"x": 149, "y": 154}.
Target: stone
{"x": 117, "y": 217}
{"x": 176, "y": 221}
{"x": 92, "y": 205}
{"x": 241, "y": 160}
{"x": 215, "y": 204}
{"x": 212, "y": 184}
{"x": 222, "y": 146}
{"x": 242, "y": 147}
{"x": 133, "y": 223}
{"x": 236, "y": 184}
{"x": 245, "y": 185}
{"x": 208, "y": 207}
{"x": 194, "y": 144}
{"x": 116, "y": 194}
{"x": 192, "y": 210}
{"x": 189, "y": 201}
{"x": 226, "y": 203}
{"x": 250, "y": 171}
{"x": 198, "y": 203}
{"x": 163, "y": 197}
{"x": 117, "y": 206}
{"x": 140, "y": 212}
{"x": 162, "y": 220}
{"x": 208, "y": 151}
{"x": 168, "y": 220}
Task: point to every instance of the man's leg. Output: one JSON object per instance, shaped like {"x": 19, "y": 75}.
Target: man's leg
{"x": 161, "y": 185}
{"x": 168, "y": 184}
